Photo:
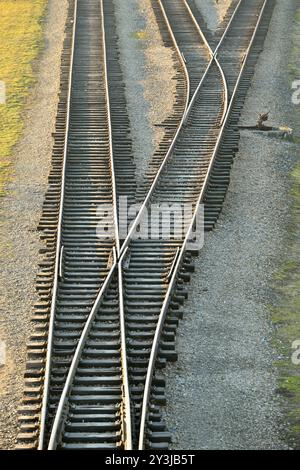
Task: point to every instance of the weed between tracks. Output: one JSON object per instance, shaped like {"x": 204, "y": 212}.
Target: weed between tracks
{"x": 20, "y": 39}
{"x": 286, "y": 314}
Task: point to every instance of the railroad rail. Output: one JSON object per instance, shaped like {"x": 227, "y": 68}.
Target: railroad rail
{"x": 88, "y": 181}
{"x": 102, "y": 388}
{"x": 86, "y": 177}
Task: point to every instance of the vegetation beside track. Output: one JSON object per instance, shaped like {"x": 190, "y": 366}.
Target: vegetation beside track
{"x": 21, "y": 34}
{"x": 286, "y": 314}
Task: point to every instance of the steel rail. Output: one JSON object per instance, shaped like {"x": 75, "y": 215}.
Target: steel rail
{"x": 59, "y": 247}
{"x": 180, "y": 55}
{"x": 164, "y": 309}
{"x": 125, "y": 382}
{"x": 213, "y": 59}
{"x": 111, "y": 151}
{"x": 56, "y": 429}
{"x": 128, "y": 445}
{"x": 227, "y": 27}
{"x": 172, "y": 145}
{"x": 183, "y": 120}
{"x": 127, "y": 429}
{"x": 198, "y": 27}
{"x": 116, "y": 264}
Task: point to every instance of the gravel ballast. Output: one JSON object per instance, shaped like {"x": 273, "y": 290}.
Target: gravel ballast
{"x": 148, "y": 71}
{"x": 213, "y": 11}
{"x": 21, "y": 210}
{"x": 222, "y": 392}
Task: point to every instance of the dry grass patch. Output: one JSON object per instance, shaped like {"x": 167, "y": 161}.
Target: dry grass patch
{"x": 20, "y": 41}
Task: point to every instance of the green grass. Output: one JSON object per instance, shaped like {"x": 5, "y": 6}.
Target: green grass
{"x": 142, "y": 35}
{"x": 20, "y": 42}
{"x": 286, "y": 313}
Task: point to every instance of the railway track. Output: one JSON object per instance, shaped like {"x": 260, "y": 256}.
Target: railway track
{"x": 173, "y": 122}
{"x": 89, "y": 180}
{"x": 214, "y": 181}
{"x": 116, "y": 303}
{"x": 190, "y": 40}
{"x": 88, "y": 175}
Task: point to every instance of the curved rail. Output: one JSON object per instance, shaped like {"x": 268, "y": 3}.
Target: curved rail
{"x": 64, "y": 396}
{"x": 111, "y": 152}
{"x": 170, "y": 150}
{"x": 127, "y": 430}
{"x": 119, "y": 257}
{"x": 172, "y": 283}
{"x": 181, "y": 58}
{"x": 227, "y": 27}
{"x": 181, "y": 124}
{"x": 213, "y": 59}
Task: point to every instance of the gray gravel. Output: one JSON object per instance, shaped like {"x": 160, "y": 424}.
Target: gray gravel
{"x": 213, "y": 11}
{"x": 21, "y": 210}
{"x": 148, "y": 70}
{"x": 221, "y": 394}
